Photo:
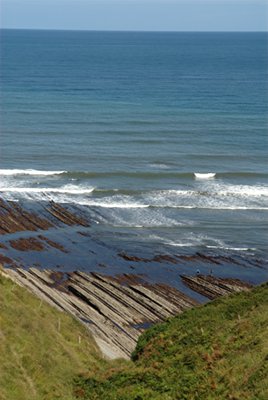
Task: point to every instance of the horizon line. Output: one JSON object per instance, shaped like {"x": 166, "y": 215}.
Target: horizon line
{"x": 132, "y": 30}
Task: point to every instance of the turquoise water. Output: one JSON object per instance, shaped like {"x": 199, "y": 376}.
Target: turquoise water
{"x": 127, "y": 125}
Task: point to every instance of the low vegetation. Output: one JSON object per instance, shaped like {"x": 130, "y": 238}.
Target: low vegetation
{"x": 41, "y": 349}
{"x": 217, "y": 351}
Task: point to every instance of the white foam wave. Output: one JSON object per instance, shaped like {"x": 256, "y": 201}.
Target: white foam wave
{"x": 159, "y": 166}
{"x": 10, "y": 172}
{"x": 193, "y": 240}
{"x": 104, "y": 204}
{"x": 218, "y": 190}
{"x": 178, "y": 192}
{"x": 138, "y": 218}
{"x": 245, "y": 190}
{"x": 211, "y": 207}
{"x": 61, "y": 190}
{"x": 63, "y": 195}
{"x": 213, "y": 195}
{"x": 179, "y": 244}
{"x": 232, "y": 248}
{"x": 209, "y": 175}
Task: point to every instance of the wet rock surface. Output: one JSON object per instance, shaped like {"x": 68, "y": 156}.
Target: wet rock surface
{"x": 26, "y": 244}
{"x": 212, "y": 287}
{"x": 64, "y": 238}
{"x": 114, "y": 287}
{"x": 52, "y": 243}
{"x": 15, "y": 219}
{"x": 117, "y": 309}
{"x": 65, "y": 216}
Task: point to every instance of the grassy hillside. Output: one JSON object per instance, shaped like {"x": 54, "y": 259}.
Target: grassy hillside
{"x": 41, "y": 349}
{"x": 217, "y": 351}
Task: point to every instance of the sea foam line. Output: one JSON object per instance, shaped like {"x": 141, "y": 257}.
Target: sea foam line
{"x": 10, "y": 172}
{"x": 200, "y": 207}
{"x": 62, "y": 190}
{"x": 233, "y": 248}
{"x": 112, "y": 205}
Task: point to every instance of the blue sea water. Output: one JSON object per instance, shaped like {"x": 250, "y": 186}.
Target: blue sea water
{"x": 127, "y": 125}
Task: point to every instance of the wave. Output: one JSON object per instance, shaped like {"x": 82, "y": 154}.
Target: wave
{"x": 245, "y": 190}
{"x": 61, "y": 190}
{"x": 206, "y": 191}
{"x": 232, "y": 248}
{"x": 113, "y": 205}
{"x": 205, "y": 240}
{"x": 154, "y": 197}
{"x": 214, "y": 191}
{"x": 139, "y": 218}
{"x": 174, "y": 244}
{"x": 162, "y": 173}
{"x": 127, "y": 174}
{"x": 216, "y": 207}
{"x": 204, "y": 176}
{"x": 35, "y": 172}
{"x": 63, "y": 195}
{"x": 159, "y": 166}
{"x": 222, "y": 191}
{"x": 208, "y": 195}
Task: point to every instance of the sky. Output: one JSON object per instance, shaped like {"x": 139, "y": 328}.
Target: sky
{"x": 137, "y": 15}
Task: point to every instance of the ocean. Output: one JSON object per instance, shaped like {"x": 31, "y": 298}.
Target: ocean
{"x": 161, "y": 138}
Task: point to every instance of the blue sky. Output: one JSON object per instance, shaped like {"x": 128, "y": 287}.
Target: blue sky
{"x": 148, "y": 15}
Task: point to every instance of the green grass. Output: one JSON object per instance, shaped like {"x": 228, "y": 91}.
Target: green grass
{"x": 217, "y": 351}
{"x": 41, "y": 349}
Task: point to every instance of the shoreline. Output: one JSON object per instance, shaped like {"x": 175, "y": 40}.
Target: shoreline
{"x": 117, "y": 311}
{"x": 116, "y": 302}
{"x": 63, "y": 238}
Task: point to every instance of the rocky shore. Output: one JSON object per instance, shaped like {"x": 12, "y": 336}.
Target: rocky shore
{"x": 117, "y": 310}
{"x": 49, "y": 249}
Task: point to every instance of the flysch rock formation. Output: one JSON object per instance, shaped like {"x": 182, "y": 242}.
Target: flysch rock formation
{"x": 116, "y": 310}
{"x": 115, "y": 306}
